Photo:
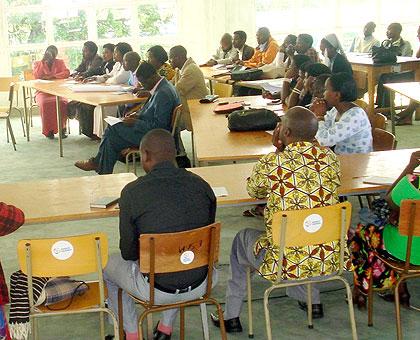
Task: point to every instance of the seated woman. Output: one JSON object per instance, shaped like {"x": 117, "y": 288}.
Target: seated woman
{"x": 345, "y": 126}
{"x": 51, "y": 68}
{"x": 335, "y": 57}
{"x": 292, "y": 75}
{"x": 382, "y": 236}
{"x": 302, "y": 93}
{"x": 158, "y": 57}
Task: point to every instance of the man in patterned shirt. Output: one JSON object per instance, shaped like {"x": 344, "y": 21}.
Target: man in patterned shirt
{"x": 299, "y": 175}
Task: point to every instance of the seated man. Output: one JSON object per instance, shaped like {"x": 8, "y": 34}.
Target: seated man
{"x": 225, "y": 53}
{"x": 304, "y": 46}
{"x": 281, "y": 178}
{"x": 166, "y": 200}
{"x": 156, "y": 113}
{"x": 189, "y": 81}
{"x": 265, "y": 52}
{"x": 365, "y": 44}
{"x": 245, "y": 52}
{"x": 92, "y": 63}
{"x": 393, "y": 33}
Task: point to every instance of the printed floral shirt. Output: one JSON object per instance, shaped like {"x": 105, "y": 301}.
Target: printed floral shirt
{"x": 167, "y": 71}
{"x": 303, "y": 176}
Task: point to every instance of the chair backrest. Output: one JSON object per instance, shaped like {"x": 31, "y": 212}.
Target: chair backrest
{"x": 362, "y": 104}
{"x": 378, "y": 120}
{"x": 6, "y": 81}
{"x": 176, "y": 252}
{"x": 64, "y": 256}
{"x": 298, "y": 228}
{"x": 383, "y": 140}
{"x": 409, "y": 225}
{"x": 28, "y": 75}
{"x": 176, "y": 115}
{"x": 222, "y": 90}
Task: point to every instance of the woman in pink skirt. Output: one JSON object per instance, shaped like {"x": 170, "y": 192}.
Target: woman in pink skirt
{"x": 50, "y": 68}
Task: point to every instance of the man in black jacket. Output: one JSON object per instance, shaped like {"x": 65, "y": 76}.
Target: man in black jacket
{"x": 167, "y": 199}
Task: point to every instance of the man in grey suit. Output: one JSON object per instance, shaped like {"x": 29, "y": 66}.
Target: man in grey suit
{"x": 245, "y": 52}
{"x": 156, "y": 113}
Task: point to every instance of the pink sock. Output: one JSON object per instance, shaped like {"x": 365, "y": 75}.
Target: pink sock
{"x": 131, "y": 336}
{"x": 164, "y": 329}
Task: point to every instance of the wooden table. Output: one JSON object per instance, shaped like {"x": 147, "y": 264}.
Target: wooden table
{"x": 58, "y": 89}
{"x": 355, "y": 169}
{"x": 212, "y": 140}
{"x": 213, "y": 75}
{"x": 410, "y": 90}
{"x": 364, "y": 63}
{"x": 64, "y": 199}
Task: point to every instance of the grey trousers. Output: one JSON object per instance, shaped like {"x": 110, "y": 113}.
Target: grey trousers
{"x": 241, "y": 257}
{"x": 120, "y": 273}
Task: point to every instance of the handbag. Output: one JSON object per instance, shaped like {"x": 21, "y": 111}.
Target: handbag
{"x": 251, "y": 74}
{"x": 228, "y": 108}
{"x": 252, "y": 120}
{"x": 385, "y": 54}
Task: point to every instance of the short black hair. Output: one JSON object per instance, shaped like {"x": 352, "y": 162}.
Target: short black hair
{"x": 123, "y": 48}
{"x": 145, "y": 71}
{"x": 241, "y": 35}
{"x": 109, "y": 46}
{"x": 179, "y": 50}
{"x": 159, "y": 53}
{"x": 264, "y": 30}
{"x": 397, "y": 25}
{"x": 303, "y": 67}
{"x": 316, "y": 69}
{"x": 299, "y": 59}
{"x": 307, "y": 38}
{"x": 52, "y": 48}
{"x": 292, "y": 38}
{"x": 345, "y": 84}
{"x": 91, "y": 46}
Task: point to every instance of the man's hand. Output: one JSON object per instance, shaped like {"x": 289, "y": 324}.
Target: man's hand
{"x": 130, "y": 119}
{"x": 276, "y": 139}
{"x": 319, "y": 107}
{"x": 290, "y": 50}
{"x": 291, "y": 73}
{"x": 299, "y": 84}
{"x": 211, "y": 62}
{"x": 415, "y": 159}
{"x": 142, "y": 94}
{"x": 88, "y": 80}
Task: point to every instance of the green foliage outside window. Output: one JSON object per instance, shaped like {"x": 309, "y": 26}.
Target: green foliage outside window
{"x": 72, "y": 28}
{"x": 111, "y": 26}
{"x": 26, "y": 29}
{"x": 151, "y": 19}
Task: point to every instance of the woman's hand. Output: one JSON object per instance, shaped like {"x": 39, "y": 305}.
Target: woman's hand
{"x": 415, "y": 159}
{"x": 291, "y": 73}
{"x": 319, "y": 107}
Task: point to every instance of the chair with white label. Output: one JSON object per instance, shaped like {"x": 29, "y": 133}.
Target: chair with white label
{"x": 299, "y": 228}
{"x": 159, "y": 254}
{"x": 67, "y": 256}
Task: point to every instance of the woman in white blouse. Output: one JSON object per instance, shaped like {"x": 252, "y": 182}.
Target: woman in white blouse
{"x": 117, "y": 76}
{"x": 346, "y": 126}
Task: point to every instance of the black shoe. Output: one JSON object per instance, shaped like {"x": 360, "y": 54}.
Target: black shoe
{"x": 231, "y": 325}
{"x": 158, "y": 335}
{"x": 63, "y": 134}
{"x": 50, "y": 135}
{"x": 317, "y": 309}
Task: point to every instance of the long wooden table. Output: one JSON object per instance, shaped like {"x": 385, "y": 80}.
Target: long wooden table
{"x": 355, "y": 168}
{"x": 212, "y": 140}
{"x": 59, "y": 89}
{"x": 213, "y": 75}
{"x": 64, "y": 199}
{"x": 410, "y": 90}
{"x": 364, "y": 63}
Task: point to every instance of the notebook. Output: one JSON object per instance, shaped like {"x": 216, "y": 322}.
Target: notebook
{"x": 104, "y": 202}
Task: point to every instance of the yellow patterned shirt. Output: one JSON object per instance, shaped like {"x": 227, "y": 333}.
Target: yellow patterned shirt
{"x": 167, "y": 71}
{"x": 303, "y": 176}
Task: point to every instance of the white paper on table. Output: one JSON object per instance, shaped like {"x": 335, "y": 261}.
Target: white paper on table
{"x": 270, "y": 132}
{"x": 377, "y": 180}
{"x": 220, "y": 191}
{"x": 95, "y": 88}
{"x": 71, "y": 81}
{"x": 112, "y": 120}
{"x": 42, "y": 81}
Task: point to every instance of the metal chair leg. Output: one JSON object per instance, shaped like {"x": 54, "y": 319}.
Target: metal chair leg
{"x": 351, "y": 309}
{"x": 182, "y": 323}
{"x": 370, "y": 301}
{"x": 12, "y": 136}
{"x": 102, "y": 324}
{"x": 398, "y": 310}
{"x": 250, "y": 317}
{"x": 204, "y": 321}
{"x": 309, "y": 305}
{"x": 267, "y": 314}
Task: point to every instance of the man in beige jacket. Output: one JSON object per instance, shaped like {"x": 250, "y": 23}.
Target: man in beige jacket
{"x": 188, "y": 81}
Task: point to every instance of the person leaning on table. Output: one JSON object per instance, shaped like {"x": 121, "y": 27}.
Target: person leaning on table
{"x": 166, "y": 200}
{"x": 298, "y": 175}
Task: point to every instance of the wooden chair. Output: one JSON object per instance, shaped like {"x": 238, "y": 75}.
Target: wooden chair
{"x": 159, "y": 254}
{"x": 134, "y": 152}
{"x": 289, "y": 231}
{"x": 28, "y": 75}
{"x": 67, "y": 256}
{"x": 222, "y": 90}
{"x": 378, "y": 120}
{"x": 383, "y": 140}
{"x": 5, "y": 83}
{"x": 409, "y": 225}
{"x": 6, "y": 115}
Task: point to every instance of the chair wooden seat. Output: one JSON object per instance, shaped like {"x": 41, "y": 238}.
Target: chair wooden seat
{"x": 90, "y": 298}
{"x": 398, "y": 266}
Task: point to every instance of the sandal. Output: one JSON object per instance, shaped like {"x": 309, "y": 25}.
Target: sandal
{"x": 359, "y": 299}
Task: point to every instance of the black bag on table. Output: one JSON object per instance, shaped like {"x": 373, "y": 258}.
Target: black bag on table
{"x": 251, "y": 74}
{"x": 252, "y": 120}
{"x": 385, "y": 54}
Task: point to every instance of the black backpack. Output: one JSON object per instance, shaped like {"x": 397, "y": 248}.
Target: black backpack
{"x": 252, "y": 120}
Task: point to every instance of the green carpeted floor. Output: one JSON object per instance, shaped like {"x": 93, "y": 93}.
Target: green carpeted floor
{"x": 39, "y": 159}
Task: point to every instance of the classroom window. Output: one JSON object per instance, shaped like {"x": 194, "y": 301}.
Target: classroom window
{"x": 70, "y": 25}
{"x": 156, "y": 19}
{"x": 27, "y": 28}
{"x": 113, "y": 23}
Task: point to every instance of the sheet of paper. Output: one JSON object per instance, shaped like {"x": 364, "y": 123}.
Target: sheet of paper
{"x": 379, "y": 180}
{"x": 270, "y": 132}
{"x": 112, "y": 120}
{"x": 95, "y": 88}
{"x": 43, "y": 81}
{"x": 220, "y": 191}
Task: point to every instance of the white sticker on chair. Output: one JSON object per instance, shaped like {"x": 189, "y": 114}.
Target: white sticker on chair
{"x": 312, "y": 223}
{"x": 187, "y": 257}
{"x": 62, "y": 250}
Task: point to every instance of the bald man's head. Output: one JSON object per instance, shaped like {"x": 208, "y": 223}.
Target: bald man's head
{"x": 157, "y": 146}
{"x": 131, "y": 61}
{"x": 298, "y": 124}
